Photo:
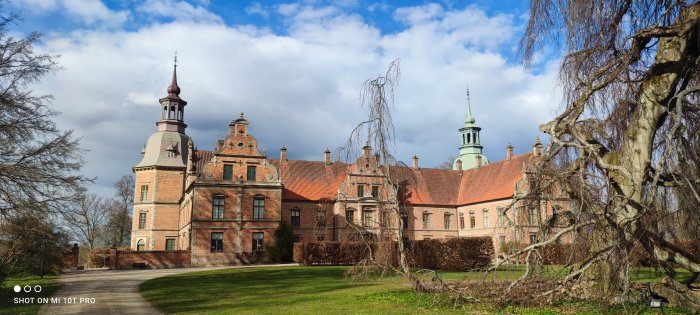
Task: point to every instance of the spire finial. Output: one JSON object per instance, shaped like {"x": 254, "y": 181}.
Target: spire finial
{"x": 469, "y": 119}
{"x": 173, "y": 88}
{"x": 469, "y": 101}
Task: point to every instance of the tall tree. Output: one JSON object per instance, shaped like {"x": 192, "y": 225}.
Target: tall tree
{"x": 119, "y": 218}
{"x": 39, "y": 163}
{"x": 628, "y": 138}
{"x": 87, "y": 219}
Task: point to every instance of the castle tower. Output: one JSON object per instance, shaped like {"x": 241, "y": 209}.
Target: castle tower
{"x": 160, "y": 176}
{"x": 470, "y": 152}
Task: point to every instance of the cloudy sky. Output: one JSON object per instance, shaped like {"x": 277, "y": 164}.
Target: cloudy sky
{"x": 294, "y": 68}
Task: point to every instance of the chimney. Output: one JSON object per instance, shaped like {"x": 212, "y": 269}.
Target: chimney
{"x": 327, "y": 156}
{"x": 459, "y": 165}
{"x": 367, "y": 150}
{"x": 415, "y": 162}
{"x": 537, "y": 147}
{"x": 283, "y": 154}
{"x": 478, "y": 160}
{"x": 509, "y": 152}
{"x": 219, "y": 144}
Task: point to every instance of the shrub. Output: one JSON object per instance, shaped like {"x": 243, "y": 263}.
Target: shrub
{"x": 283, "y": 246}
{"x": 453, "y": 254}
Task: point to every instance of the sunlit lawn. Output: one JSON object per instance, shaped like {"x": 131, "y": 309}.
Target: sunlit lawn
{"x": 7, "y": 294}
{"x": 321, "y": 290}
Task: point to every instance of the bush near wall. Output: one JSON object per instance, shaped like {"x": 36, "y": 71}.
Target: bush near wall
{"x": 455, "y": 254}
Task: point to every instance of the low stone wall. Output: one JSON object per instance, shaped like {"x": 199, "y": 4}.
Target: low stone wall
{"x": 149, "y": 259}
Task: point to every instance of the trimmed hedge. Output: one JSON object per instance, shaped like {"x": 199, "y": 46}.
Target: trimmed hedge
{"x": 454, "y": 254}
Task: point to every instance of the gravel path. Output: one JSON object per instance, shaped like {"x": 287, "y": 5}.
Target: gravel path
{"x": 114, "y": 292}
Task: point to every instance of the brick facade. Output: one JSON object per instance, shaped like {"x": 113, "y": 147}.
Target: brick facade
{"x": 219, "y": 206}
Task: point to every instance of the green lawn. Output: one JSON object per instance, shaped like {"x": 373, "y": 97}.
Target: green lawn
{"x": 7, "y": 294}
{"x": 323, "y": 290}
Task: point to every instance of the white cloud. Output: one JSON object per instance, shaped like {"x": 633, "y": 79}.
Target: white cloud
{"x": 299, "y": 89}
{"x": 257, "y": 9}
{"x": 36, "y": 6}
{"x": 88, "y": 12}
{"x": 178, "y": 10}
{"x": 419, "y": 14}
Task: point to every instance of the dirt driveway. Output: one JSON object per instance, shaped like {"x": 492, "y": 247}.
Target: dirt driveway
{"x": 114, "y": 292}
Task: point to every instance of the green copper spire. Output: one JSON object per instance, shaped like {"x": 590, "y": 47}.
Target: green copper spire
{"x": 470, "y": 151}
{"x": 469, "y": 119}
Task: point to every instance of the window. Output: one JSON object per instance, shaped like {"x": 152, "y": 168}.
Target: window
{"x": 360, "y": 191}
{"x": 533, "y": 238}
{"x": 169, "y": 244}
{"x": 426, "y": 220}
{"x": 320, "y": 218}
{"x": 258, "y": 208}
{"x": 228, "y": 172}
{"x": 487, "y": 222}
{"x": 531, "y": 216}
{"x": 258, "y": 241}
{"x": 350, "y": 215}
{"x": 217, "y": 242}
{"x": 501, "y": 217}
{"x": 251, "y": 172}
{"x": 296, "y": 217}
{"x": 142, "y": 220}
{"x": 141, "y": 245}
{"x": 144, "y": 192}
{"x": 367, "y": 218}
{"x": 461, "y": 220}
{"x": 447, "y": 221}
{"x": 217, "y": 211}
{"x": 404, "y": 217}
{"x": 375, "y": 191}
{"x": 472, "y": 220}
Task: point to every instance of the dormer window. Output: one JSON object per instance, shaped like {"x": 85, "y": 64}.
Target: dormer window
{"x": 171, "y": 151}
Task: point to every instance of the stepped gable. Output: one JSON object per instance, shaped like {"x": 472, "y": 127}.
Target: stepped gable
{"x": 494, "y": 181}
{"x": 310, "y": 180}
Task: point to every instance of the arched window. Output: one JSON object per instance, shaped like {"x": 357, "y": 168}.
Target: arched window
{"x": 469, "y": 138}
{"x": 464, "y": 139}
{"x": 171, "y": 115}
{"x": 140, "y": 245}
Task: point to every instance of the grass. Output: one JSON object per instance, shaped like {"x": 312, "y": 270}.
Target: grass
{"x": 48, "y": 284}
{"x": 325, "y": 290}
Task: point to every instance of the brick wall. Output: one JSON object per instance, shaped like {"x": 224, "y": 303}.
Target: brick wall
{"x": 149, "y": 259}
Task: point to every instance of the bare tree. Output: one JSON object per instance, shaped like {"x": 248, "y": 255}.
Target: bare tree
{"x": 119, "y": 218}
{"x": 39, "y": 164}
{"x": 87, "y": 218}
{"x": 627, "y": 141}
{"x": 447, "y": 164}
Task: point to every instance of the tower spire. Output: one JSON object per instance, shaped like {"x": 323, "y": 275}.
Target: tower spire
{"x": 173, "y": 89}
{"x": 469, "y": 119}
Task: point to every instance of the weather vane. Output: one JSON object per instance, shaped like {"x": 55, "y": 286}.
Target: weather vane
{"x": 175, "y": 59}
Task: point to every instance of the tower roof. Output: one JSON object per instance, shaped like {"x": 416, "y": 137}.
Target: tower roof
{"x": 173, "y": 89}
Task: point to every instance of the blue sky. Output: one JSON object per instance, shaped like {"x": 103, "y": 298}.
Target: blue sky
{"x": 294, "y": 68}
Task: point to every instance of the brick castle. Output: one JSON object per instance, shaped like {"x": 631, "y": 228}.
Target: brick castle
{"x": 225, "y": 203}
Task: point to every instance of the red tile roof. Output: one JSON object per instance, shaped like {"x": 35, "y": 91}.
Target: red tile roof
{"x": 493, "y": 181}
{"x": 428, "y": 186}
{"x": 201, "y": 157}
{"x": 310, "y": 180}
{"x": 316, "y": 180}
